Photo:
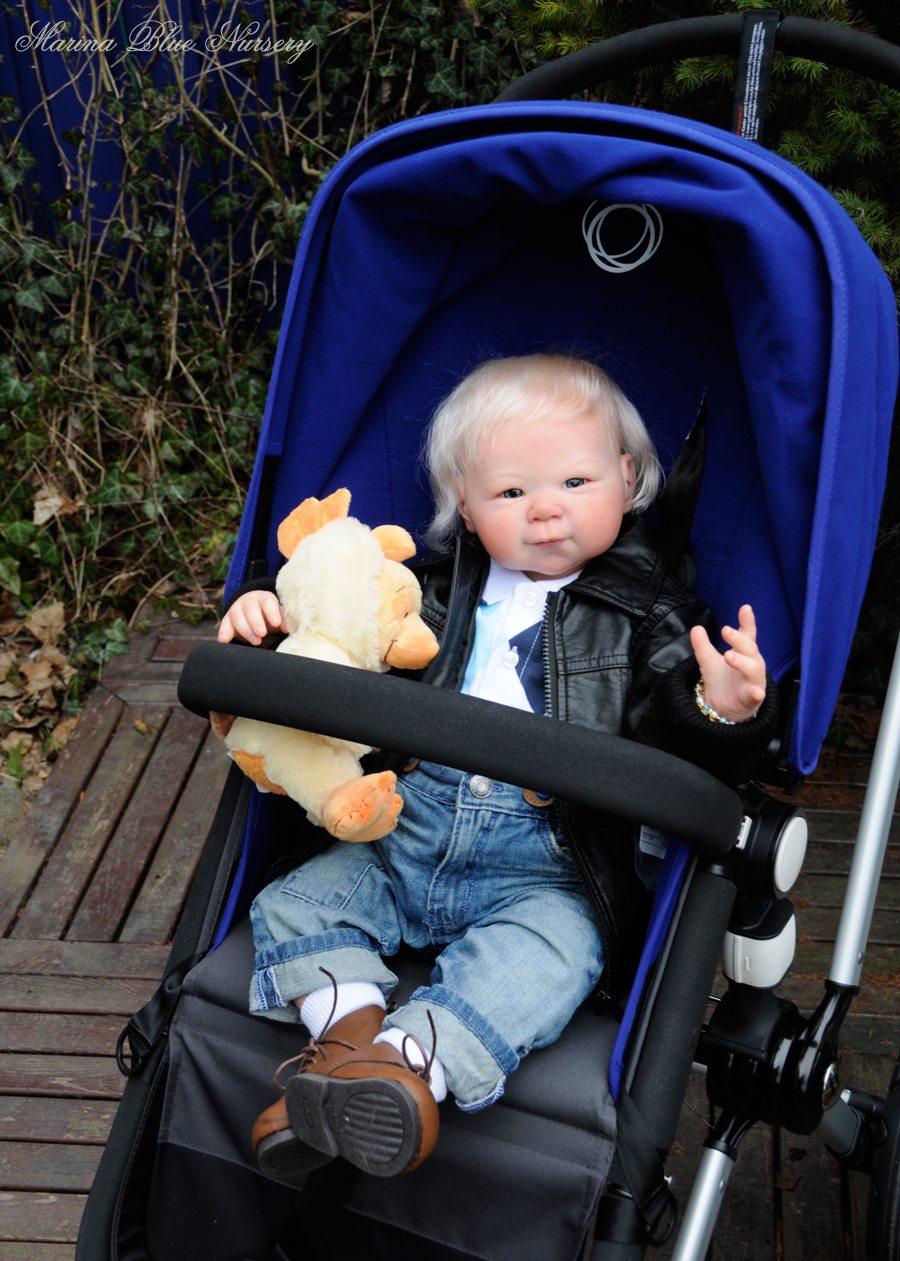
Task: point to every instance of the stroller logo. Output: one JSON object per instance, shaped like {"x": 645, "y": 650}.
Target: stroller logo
{"x": 626, "y": 260}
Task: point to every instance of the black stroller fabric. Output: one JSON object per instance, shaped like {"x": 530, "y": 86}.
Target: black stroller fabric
{"x": 548, "y": 1144}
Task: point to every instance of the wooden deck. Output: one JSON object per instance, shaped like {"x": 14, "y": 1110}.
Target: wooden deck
{"x": 90, "y": 891}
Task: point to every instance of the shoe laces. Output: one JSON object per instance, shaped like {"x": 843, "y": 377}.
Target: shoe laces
{"x": 421, "y": 1070}
{"x": 316, "y": 1046}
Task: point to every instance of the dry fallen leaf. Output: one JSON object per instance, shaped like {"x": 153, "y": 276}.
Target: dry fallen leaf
{"x": 63, "y": 730}
{"x": 37, "y": 674}
{"x": 866, "y": 725}
{"x": 8, "y": 743}
{"x": 49, "y": 503}
{"x": 22, "y": 724}
{"x": 47, "y": 623}
{"x": 49, "y": 653}
{"x": 8, "y": 691}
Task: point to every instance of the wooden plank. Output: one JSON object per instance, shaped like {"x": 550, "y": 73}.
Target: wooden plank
{"x": 99, "y": 996}
{"x": 34, "y": 1119}
{"x": 834, "y": 857}
{"x": 160, "y": 898}
{"x": 115, "y": 880}
{"x": 50, "y": 813}
{"x": 37, "y": 1252}
{"x": 56, "y": 895}
{"x": 856, "y": 1208}
{"x": 746, "y": 1226}
{"x": 153, "y": 693}
{"x": 40, "y": 1216}
{"x": 171, "y": 649}
{"x": 809, "y": 1180}
{"x": 829, "y": 891}
{"x": 43, "y": 1031}
{"x": 75, "y": 958}
{"x": 872, "y": 1037}
{"x": 820, "y": 924}
{"x": 842, "y": 825}
{"x": 48, "y": 1166}
{"x": 62, "y": 1076}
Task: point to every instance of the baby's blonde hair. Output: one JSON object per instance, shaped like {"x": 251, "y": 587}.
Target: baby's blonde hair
{"x": 530, "y": 388}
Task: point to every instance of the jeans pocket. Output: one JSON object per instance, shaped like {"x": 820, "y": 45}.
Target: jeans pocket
{"x": 334, "y": 878}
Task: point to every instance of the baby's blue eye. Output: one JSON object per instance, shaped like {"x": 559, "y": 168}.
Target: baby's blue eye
{"x": 573, "y": 482}
{"x": 512, "y": 494}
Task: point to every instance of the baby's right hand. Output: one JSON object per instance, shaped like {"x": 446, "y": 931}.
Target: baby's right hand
{"x": 252, "y": 616}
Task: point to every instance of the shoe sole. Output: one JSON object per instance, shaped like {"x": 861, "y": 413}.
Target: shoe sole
{"x": 284, "y": 1155}
{"x": 373, "y": 1122}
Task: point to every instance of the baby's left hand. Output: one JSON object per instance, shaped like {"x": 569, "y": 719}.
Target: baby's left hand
{"x": 734, "y": 683}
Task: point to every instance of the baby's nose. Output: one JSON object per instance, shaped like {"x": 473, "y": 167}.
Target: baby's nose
{"x": 544, "y": 508}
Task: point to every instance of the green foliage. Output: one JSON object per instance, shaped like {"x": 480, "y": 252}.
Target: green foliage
{"x": 14, "y": 766}
{"x": 136, "y": 348}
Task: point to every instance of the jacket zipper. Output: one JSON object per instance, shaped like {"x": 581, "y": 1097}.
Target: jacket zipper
{"x": 548, "y": 651}
{"x": 551, "y": 707}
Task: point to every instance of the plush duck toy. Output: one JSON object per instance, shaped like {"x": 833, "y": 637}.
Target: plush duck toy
{"x": 346, "y": 599}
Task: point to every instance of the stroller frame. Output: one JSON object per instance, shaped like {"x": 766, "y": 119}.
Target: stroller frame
{"x": 792, "y": 1074}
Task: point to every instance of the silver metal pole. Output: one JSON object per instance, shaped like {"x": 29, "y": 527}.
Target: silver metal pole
{"x": 703, "y": 1207}
{"x": 871, "y": 841}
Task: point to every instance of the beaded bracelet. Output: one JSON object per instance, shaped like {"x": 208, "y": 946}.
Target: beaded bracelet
{"x": 706, "y": 708}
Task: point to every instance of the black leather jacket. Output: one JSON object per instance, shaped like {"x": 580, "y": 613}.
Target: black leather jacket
{"x": 617, "y": 657}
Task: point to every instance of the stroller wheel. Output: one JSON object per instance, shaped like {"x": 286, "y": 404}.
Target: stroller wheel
{"x": 883, "y": 1218}
{"x": 284, "y": 1155}
{"x": 372, "y": 1122}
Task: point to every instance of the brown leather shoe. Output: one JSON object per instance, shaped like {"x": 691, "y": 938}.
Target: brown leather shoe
{"x": 279, "y": 1151}
{"x": 371, "y": 1106}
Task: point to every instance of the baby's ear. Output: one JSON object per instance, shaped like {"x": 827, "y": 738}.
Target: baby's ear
{"x": 309, "y": 517}
{"x": 394, "y": 541}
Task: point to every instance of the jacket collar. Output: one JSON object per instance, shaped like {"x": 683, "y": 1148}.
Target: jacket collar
{"x": 629, "y": 574}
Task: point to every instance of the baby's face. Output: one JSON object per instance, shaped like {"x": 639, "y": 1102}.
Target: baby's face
{"x": 548, "y": 496}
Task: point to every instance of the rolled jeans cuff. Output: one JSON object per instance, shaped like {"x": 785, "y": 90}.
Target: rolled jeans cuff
{"x": 277, "y": 981}
{"x": 476, "y": 1059}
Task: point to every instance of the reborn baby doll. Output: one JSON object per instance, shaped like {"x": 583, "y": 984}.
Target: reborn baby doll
{"x": 539, "y": 466}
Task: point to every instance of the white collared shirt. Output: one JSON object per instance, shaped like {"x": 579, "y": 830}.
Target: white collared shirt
{"x": 507, "y": 661}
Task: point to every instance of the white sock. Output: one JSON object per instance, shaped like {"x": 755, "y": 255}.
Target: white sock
{"x": 438, "y": 1083}
{"x": 351, "y": 996}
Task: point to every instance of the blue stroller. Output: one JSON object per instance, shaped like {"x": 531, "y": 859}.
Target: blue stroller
{"x": 739, "y": 308}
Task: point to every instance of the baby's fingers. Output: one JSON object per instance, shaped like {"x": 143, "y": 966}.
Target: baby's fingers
{"x": 273, "y": 612}
{"x": 752, "y": 669}
{"x": 707, "y": 656}
{"x": 739, "y": 641}
{"x": 226, "y": 630}
{"x": 747, "y": 621}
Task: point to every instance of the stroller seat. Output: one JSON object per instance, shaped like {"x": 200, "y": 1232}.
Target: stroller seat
{"x": 548, "y": 1142}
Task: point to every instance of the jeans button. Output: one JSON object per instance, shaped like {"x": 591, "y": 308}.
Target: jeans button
{"x": 479, "y": 786}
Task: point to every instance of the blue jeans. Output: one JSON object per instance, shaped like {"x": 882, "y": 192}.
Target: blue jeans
{"x": 482, "y": 879}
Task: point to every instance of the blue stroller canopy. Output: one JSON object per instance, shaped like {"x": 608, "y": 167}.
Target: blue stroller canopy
{"x": 454, "y": 238}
